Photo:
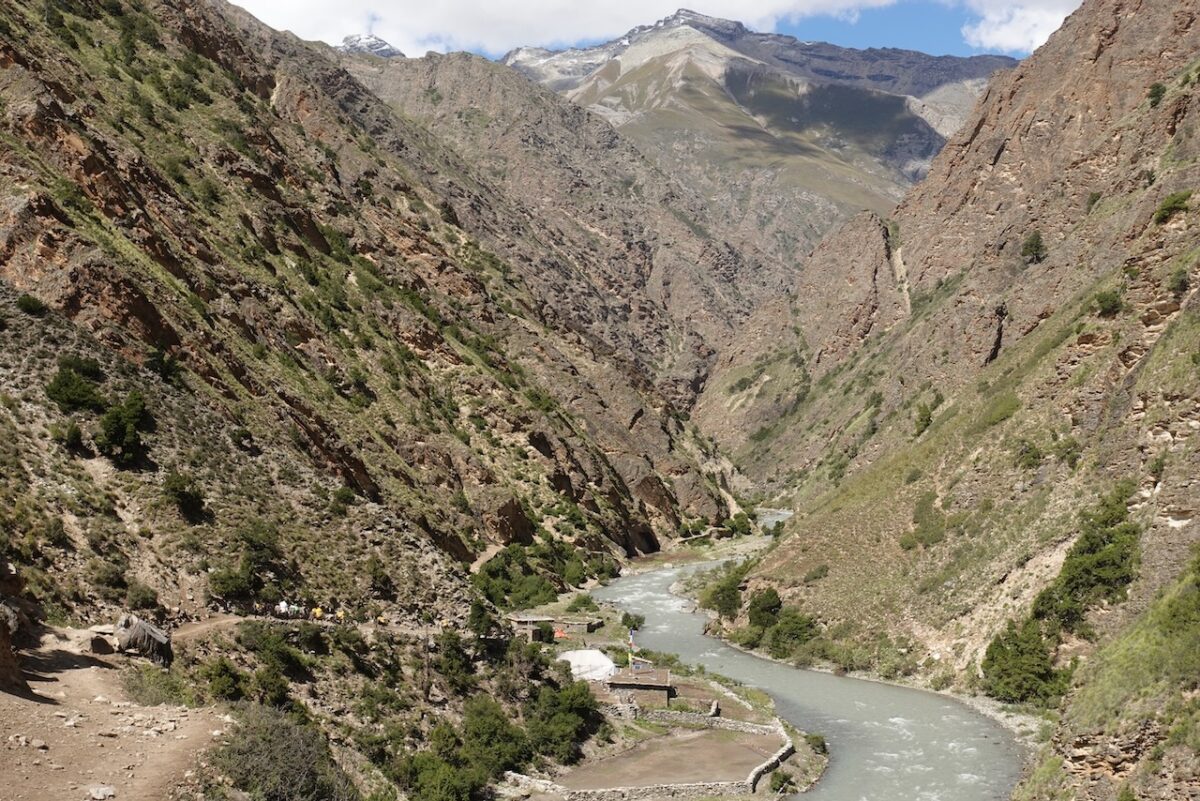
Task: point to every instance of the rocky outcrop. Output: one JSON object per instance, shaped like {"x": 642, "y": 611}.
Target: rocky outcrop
{"x": 11, "y": 677}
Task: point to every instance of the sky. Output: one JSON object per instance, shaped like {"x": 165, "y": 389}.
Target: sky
{"x": 493, "y": 27}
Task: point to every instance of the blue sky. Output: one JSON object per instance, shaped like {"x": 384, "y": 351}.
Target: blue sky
{"x": 493, "y": 27}
{"x": 930, "y": 27}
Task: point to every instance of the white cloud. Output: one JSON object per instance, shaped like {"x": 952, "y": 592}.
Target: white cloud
{"x": 495, "y": 26}
{"x": 1015, "y": 26}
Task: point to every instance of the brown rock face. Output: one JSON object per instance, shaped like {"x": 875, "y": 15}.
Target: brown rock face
{"x": 11, "y": 677}
{"x": 856, "y": 265}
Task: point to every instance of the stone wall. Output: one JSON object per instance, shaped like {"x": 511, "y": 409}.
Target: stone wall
{"x": 778, "y": 758}
{"x": 681, "y": 791}
{"x": 708, "y": 722}
{"x": 654, "y": 791}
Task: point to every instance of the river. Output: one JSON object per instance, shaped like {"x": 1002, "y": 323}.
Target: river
{"x": 886, "y": 743}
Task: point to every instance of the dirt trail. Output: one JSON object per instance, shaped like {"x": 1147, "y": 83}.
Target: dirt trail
{"x": 77, "y": 730}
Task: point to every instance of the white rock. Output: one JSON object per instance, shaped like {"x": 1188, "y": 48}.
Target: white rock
{"x": 101, "y": 793}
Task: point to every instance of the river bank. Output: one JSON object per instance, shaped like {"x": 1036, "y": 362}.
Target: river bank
{"x": 1026, "y": 728}
{"x": 887, "y": 741}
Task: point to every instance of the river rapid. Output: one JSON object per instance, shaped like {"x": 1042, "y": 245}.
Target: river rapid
{"x": 886, "y": 743}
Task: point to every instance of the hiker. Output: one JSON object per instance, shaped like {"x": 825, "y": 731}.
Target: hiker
{"x": 281, "y": 609}
{"x": 317, "y": 613}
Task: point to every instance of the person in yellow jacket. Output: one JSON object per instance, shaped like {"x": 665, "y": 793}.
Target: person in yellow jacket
{"x": 341, "y": 616}
{"x": 317, "y": 613}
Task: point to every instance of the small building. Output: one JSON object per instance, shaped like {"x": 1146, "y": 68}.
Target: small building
{"x": 560, "y": 628}
{"x": 530, "y": 626}
{"x": 645, "y": 685}
{"x": 575, "y": 625}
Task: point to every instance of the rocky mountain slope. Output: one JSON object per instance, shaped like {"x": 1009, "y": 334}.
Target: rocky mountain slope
{"x": 985, "y": 407}
{"x": 644, "y": 262}
{"x": 237, "y": 293}
{"x": 785, "y": 138}
{"x": 264, "y": 338}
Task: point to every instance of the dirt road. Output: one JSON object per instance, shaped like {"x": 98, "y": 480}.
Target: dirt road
{"x": 77, "y": 731}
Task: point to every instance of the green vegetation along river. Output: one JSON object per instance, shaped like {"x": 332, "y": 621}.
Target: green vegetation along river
{"x": 886, "y": 743}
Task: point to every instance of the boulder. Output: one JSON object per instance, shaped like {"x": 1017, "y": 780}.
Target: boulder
{"x": 11, "y": 677}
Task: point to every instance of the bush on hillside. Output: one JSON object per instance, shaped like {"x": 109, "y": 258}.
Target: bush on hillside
{"x": 185, "y": 493}
{"x": 1179, "y": 282}
{"x": 274, "y": 758}
{"x": 1033, "y": 249}
{"x": 1018, "y": 666}
{"x": 764, "y": 608}
{"x": 1156, "y": 93}
{"x": 1109, "y": 303}
{"x": 583, "y": 603}
{"x": 724, "y": 595}
{"x": 1172, "y": 204}
{"x": 792, "y": 630}
{"x": 74, "y": 392}
{"x": 119, "y": 434}
{"x": 32, "y": 306}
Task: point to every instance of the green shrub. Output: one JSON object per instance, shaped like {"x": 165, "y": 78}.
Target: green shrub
{"x": 454, "y": 663}
{"x": 583, "y": 603}
{"x": 491, "y": 743}
{"x": 816, "y": 574}
{"x": 748, "y": 636}
{"x": 107, "y": 577}
{"x": 32, "y": 306}
{"x": 274, "y": 758}
{"x": 817, "y": 743}
{"x": 1027, "y": 455}
{"x": 139, "y": 596}
{"x": 73, "y": 392}
{"x": 1172, "y": 204}
{"x": 739, "y": 524}
{"x": 223, "y": 681}
{"x": 929, "y": 520}
{"x": 119, "y": 434}
{"x": 1179, "y": 282}
{"x": 87, "y": 367}
{"x": 1155, "y": 93}
{"x": 1092, "y": 200}
{"x": 185, "y": 493}
{"x": 150, "y": 685}
{"x": 1109, "y": 303}
{"x": 1068, "y": 450}
{"x": 632, "y": 621}
{"x": 999, "y": 409}
{"x": 1033, "y": 249}
{"x": 1100, "y": 565}
{"x": 559, "y": 719}
{"x": 764, "y": 607}
{"x": 724, "y": 595}
{"x": 782, "y": 782}
{"x": 792, "y": 630}
{"x": 1018, "y": 666}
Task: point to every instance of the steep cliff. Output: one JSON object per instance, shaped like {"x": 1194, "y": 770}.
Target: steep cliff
{"x": 959, "y": 382}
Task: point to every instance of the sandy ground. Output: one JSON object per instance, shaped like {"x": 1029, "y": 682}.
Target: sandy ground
{"x": 77, "y": 730}
{"x": 690, "y": 756}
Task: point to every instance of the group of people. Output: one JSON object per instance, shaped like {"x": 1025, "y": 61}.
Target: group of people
{"x": 290, "y": 611}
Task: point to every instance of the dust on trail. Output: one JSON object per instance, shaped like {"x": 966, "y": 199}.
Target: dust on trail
{"x": 77, "y": 730}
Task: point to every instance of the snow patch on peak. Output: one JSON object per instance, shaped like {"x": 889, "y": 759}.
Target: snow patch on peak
{"x": 369, "y": 44}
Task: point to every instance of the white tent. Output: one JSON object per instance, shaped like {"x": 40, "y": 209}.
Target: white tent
{"x": 590, "y": 665}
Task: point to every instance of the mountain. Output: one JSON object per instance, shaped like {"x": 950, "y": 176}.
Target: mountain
{"x": 983, "y": 407}
{"x": 785, "y": 138}
{"x": 367, "y": 44}
{"x": 649, "y": 269}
